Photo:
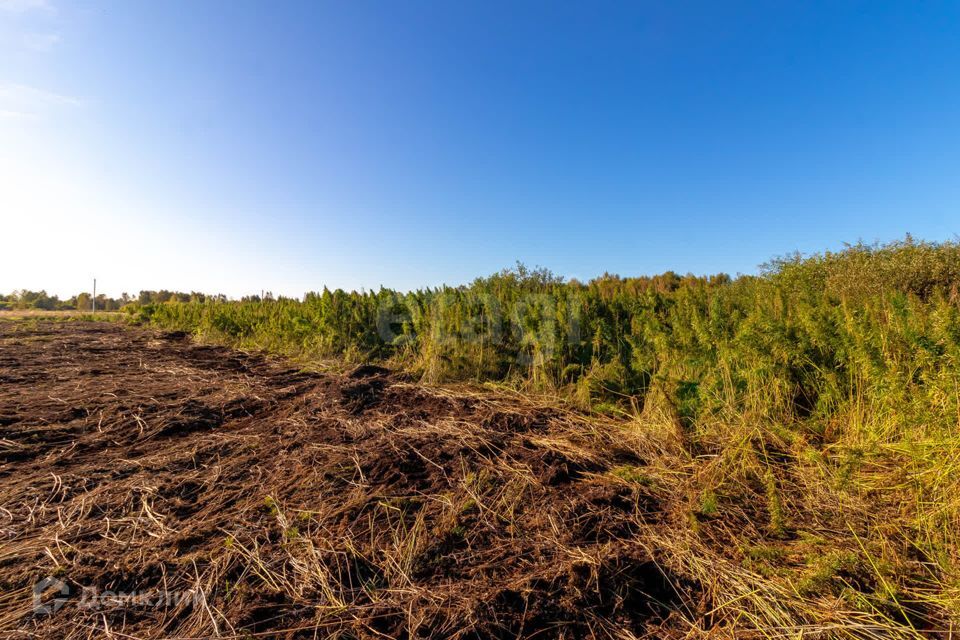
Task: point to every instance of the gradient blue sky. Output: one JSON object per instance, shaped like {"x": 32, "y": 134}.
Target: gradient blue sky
{"x": 240, "y": 146}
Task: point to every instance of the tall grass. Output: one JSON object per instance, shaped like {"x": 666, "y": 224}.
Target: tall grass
{"x": 826, "y": 390}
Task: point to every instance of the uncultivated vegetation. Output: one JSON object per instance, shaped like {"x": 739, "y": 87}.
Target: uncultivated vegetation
{"x": 770, "y": 456}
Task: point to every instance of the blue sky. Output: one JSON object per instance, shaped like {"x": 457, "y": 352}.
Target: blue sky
{"x": 240, "y": 146}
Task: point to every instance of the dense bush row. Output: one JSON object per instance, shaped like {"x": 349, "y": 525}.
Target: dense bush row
{"x": 877, "y": 326}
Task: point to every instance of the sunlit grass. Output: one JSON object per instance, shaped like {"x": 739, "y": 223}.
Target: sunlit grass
{"x": 810, "y": 416}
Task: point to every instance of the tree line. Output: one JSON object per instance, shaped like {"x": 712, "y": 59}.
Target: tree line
{"x": 24, "y": 299}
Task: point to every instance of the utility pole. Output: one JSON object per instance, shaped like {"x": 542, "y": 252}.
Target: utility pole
{"x": 93, "y": 302}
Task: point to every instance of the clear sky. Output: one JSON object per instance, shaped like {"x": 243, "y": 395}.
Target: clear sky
{"x": 238, "y": 146}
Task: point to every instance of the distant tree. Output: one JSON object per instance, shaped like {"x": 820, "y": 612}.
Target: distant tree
{"x": 36, "y": 300}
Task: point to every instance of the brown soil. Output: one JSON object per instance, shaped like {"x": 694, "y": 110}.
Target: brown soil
{"x": 305, "y": 505}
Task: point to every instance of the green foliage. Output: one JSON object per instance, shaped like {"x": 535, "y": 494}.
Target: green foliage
{"x": 826, "y": 571}
{"x": 633, "y": 474}
{"x": 777, "y": 524}
{"x": 823, "y": 340}
{"x": 709, "y": 503}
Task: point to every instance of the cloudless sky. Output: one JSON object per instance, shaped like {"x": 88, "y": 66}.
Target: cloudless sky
{"x": 238, "y": 146}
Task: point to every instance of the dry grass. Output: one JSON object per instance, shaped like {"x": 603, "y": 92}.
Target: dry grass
{"x": 305, "y": 505}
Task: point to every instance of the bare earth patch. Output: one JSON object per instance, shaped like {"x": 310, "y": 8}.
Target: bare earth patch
{"x": 301, "y": 505}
